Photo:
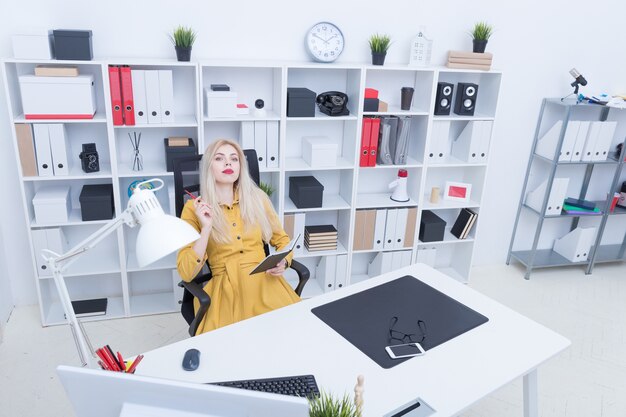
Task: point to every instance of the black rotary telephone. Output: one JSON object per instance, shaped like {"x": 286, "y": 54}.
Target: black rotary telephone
{"x": 333, "y": 103}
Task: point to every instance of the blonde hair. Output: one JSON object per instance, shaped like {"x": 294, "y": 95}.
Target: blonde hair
{"x": 253, "y": 202}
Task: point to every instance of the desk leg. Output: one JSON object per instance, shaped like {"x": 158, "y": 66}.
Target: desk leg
{"x": 531, "y": 403}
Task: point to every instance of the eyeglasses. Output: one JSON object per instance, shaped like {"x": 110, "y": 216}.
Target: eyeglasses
{"x": 402, "y": 337}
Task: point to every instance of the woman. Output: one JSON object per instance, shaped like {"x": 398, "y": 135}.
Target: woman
{"x": 234, "y": 217}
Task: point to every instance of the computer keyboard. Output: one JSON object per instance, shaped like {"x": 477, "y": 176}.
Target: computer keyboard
{"x": 299, "y": 386}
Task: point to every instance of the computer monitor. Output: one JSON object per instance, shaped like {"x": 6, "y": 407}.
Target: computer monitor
{"x": 99, "y": 393}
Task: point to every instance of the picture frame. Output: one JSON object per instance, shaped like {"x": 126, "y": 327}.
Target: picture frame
{"x": 457, "y": 191}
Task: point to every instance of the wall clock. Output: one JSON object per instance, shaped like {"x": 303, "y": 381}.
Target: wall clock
{"x": 324, "y": 42}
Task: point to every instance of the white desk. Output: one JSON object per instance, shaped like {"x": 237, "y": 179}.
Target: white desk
{"x": 449, "y": 378}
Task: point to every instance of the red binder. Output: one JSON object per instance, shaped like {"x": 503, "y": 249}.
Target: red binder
{"x": 127, "y": 96}
{"x": 365, "y": 142}
{"x": 116, "y": 95}
{"x": 374, "y": 142}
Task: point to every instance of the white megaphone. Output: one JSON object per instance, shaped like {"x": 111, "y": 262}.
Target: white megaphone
{"x": 400, "y": 193}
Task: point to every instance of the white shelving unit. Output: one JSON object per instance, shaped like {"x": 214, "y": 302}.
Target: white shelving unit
{"x": 112, "y": 270}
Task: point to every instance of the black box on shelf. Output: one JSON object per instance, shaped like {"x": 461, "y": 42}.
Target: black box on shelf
{"x": 370, "y": 104}
{"x": 220, "y": 87}
{"x": 432, "y": 227}
{"x": 172, "y": 152}
{"x": 300, "y": 102}
{"x": 306, "y": 191}
{"x": 96, "y": 202}
{"x": 73, "y": 44}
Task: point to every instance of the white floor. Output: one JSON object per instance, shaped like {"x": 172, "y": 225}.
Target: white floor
{"x": 587, "y": 380}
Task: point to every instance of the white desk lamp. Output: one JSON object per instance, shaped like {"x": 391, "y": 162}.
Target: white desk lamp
{"x": 159, "y": 235}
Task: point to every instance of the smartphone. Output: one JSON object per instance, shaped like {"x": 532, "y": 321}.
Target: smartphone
{"x": 408, "y": 350}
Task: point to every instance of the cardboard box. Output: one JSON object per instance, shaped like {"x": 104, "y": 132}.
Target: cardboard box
{"x": 96, "y": 202}
{"x": 58, "y": 97}
{"x": 73, "y": 44}
{"x": 52, "y": 204}
{"x": 220, "y": 103}
{"x": 300, "y": 102}
{"x": 33, "y": 46}
{"x": 319, "y": 151}
{"x": 306, "y": 191}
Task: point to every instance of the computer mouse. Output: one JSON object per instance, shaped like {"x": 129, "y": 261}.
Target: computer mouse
{"x": 191, "y": 360}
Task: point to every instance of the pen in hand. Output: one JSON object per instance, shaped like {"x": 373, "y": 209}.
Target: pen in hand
{"x": 193, "y": 197}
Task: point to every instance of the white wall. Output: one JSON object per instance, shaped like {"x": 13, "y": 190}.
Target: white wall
{"x": 535, "y": 44}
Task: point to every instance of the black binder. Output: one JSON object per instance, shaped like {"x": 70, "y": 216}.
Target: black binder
{"x": 364, "y": 318}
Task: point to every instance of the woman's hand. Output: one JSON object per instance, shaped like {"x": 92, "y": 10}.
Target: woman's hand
{"x": 204, "y": 212}
{"x": 279, "y": 269}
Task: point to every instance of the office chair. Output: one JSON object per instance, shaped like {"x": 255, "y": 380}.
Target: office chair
{"x": 186, "y": 177}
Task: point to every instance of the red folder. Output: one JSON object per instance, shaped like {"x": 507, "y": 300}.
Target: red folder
{"x": 373, "y": 142}
{"x": 365, "y": 142}
{"x": 116, "y": 95}
{"x": 127, "y": 96}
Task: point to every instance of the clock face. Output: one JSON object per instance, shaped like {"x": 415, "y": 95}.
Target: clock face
{"x": 325, "y": 42}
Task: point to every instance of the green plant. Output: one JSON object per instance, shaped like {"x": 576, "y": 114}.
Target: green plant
{"x": 328, "y": 406}
{"x": 183, "y": 37}
{"x": 482, "y": 31}
{"x": 379, "y": 43}
{"x": 269, "y": 190}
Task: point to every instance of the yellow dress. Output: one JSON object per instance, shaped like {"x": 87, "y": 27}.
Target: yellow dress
{"x": 236, "y": 295}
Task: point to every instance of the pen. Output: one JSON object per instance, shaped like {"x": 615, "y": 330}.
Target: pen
{"x": 135, "y": 363}
{"x": 191, "y": 195}
{"x": 107, "y": 361}
{"x": 121, "y": 360}
{"x": 118, "y": 366}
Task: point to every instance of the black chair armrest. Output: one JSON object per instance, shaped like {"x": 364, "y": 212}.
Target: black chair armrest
{"x": 195, "y": 290}
{"x": 303, "y": 275}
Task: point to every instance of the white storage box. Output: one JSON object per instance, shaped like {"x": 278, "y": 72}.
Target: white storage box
{"x": 220, "y": 103}
{"x": 58, "y": 97}
{"x": 32, "y": 46}
{"x": 52, "y": 204}
{"x": 319, "y": 151}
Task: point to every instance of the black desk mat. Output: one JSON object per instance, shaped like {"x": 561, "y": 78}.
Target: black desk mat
{"x": 364, "y": 318}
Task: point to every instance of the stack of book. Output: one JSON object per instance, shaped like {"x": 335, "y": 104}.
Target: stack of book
{"x": 321, "y": 237}
{"x": 469, "y": 60}
{"x": 580, "y": 207}
{"x": 464, "y": 223}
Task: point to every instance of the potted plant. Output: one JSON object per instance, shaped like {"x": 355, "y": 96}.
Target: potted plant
{"x": 379, "y": 44}
{"x": 267, "y": 188}
{"x": 480, "y": 35}
{"x": 326, "y": 405}
{"x": 183, "y": 39}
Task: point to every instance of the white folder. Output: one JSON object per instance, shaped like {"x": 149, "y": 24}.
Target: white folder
{"x": 485, "y": 140}
{"x": 325, "y": 272}
{"x": 427, "y": 256}
{"x": 246, "y": 135}
{"x": 40, "y": 242}
{"x": 569, "y": 141}
{"x": 298, "y": 228}
{"x": 42, "y": 150}
{"x": 272, "y": 144}
{"x": 260, "y": 142}
{"x": 166, "y": 92}
{"x": 591, "y": 141}
{"x": 341, "y": 271}
{"x": 439, "y": 142}
{"x": 400, "y": 229}
{"x": 381, "y": 264}
{"x": 581, "y": 138}
{"x": 139, "y": 96}
{"x": 605, "y": 139}
{"x": 546, "y": 145}
{"x": 178, "y": 291}
{"x": 390, "y": 229}
{"x": 153, "y": 96}
{"x": 534, "y": 198}
{"x": 58, "y": 149}
{"x": 466, "y": 146}
{"x": 396, "y": 259}
{"x": 379, "y": 229}
{"x": 56, "y": 239}
{"x": 406, "y": 257}
{"x": 575, "y": 245}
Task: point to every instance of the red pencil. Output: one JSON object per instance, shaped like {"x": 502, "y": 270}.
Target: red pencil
{"x": 191, "y": 195}
{"x": 135, "y": 363}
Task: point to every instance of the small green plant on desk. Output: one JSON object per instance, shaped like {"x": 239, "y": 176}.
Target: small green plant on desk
{"x": 326, "y": 405}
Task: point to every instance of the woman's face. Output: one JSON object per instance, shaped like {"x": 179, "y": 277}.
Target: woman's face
{"x": 225, "y": 166}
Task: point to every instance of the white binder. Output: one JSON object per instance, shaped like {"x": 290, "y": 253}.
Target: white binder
{"x": 569, "y": 141}
{"x": 42, "y": 150}
{"x": 427, "y": 256}
{"x": 298, "y": 228}
{"x": 178, "y": 291}
{"x": 605, "y": 139}
{"x": 575, "y": 245}
{"x": 534, "y": 198}
{"x": 58, "y": 149}
{"x": 406, "y": 257}
{"x": 272, "y": 144}
{"x": 325, "y": 272}
{"x": 390, "y": 229}
{"x": 591, "y": 141}
{"x": 246, "y": 135}
{"x": 341, "y": 271}
{"x": 381, "y": 264}
{"x": 466, "y": 146}
{"x": 139, "y": 96}
{"x": 56, "y": 239}
{"x": 546, "y": 145}
{"x": 260, "y": 142}
{"x": 400, "y": 229}
{"x": 40, "y": 242}
{"x": 153, "y": 96}
{"x": 581, "y": 138}
{"x": 485, "y": 140}
{"x": 379, "y": 229}
{"x": 439, "y": 142}
{"x": 166, "y": 93}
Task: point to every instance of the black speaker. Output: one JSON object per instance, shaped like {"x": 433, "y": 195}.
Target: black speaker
{"x": 444, "y": 99}
{"x": 465, "y": 102}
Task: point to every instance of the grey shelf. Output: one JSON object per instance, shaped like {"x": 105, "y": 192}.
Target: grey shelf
{"x": 612, "y": 159}
{"x": 544, "y": 258}
{"x": 568, "y": 215}
{"x": 610, "y": 253}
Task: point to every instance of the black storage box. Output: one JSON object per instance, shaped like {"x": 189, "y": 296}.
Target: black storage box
{"x": 300, "y": 102}
{"x": 371, "y": 104}
{"x": 172, "y": 152}
{"x": 73, "y": 44}
{"x": 305, "y": 192}
{"x": 96, "y": 202}
{"x": 432, "y": 227}
{"x": 220, "y": 87}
